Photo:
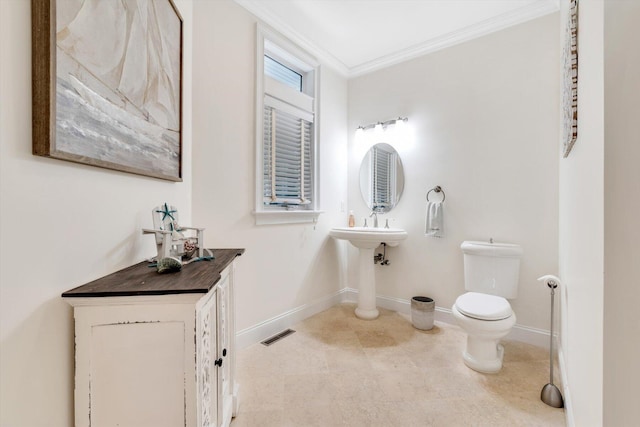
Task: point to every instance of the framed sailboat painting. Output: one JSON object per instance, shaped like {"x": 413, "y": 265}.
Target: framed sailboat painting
{"x": 107, "y": 84}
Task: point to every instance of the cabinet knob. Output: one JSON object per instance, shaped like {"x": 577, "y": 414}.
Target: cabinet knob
{"x": 218, "y": 362}
{"x": 224, "y": 352}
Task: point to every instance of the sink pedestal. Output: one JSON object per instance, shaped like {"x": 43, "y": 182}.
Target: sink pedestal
{"x": 367, "y": 287}
{"x": 366, "y": 240}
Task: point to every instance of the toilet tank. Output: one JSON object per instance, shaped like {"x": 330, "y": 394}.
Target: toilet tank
{"x": 492, "y": 268}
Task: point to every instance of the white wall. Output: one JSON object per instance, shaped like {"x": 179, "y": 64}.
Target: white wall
{"x": 285, "y": 267}
{"x": 61, "y": 225}
{"x": 599, "y": 229}
{"x": 581, "y": 230}
{"x": 621, "y": 213}
{"x": 483, "y": 117}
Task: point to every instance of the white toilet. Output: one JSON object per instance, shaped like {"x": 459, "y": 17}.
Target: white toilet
{"x": 490, "y": 276}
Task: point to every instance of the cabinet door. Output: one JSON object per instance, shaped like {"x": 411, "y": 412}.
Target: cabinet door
{"x": 137, "y": 374}
{"x": 135, "y": 362}
{"x": 206, "y": 367}
{"x": 225, "y": 391}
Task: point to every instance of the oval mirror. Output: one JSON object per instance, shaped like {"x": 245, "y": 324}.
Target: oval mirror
{"x": 381, "y": 178}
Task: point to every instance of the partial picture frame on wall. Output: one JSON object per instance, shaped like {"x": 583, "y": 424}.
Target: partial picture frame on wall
{"x": 107, "y": 84}
{"x": 570, "y": 80}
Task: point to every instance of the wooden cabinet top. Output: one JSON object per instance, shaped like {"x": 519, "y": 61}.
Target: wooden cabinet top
{"x": 140, "y": 279}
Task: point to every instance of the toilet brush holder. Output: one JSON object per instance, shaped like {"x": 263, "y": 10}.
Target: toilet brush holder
{"x": 550, "y": 394}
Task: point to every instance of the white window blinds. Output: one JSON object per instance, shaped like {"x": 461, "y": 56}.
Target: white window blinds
{"x": 287, "y": 162}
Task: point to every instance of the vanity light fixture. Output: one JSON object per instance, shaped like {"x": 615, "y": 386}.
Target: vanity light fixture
{"x": 382, "y": 125}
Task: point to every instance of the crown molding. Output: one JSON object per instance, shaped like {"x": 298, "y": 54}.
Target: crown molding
{"x": 535, "y": 10}
{"x": 260, "y": 9}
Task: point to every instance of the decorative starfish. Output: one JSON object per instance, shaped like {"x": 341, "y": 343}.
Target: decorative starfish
{"x": 166, "y": 212}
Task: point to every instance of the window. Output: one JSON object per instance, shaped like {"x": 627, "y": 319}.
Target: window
{"x": 286, "y": 185}
{"x": 282, "y": 73}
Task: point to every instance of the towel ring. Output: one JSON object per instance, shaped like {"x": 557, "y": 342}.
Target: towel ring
{"x": 437, "y": 189}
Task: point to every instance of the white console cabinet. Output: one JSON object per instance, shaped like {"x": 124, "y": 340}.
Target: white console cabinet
{"x": 157, "y": 350}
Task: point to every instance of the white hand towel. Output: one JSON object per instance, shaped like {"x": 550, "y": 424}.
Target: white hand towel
{"x": 434, "y": 223}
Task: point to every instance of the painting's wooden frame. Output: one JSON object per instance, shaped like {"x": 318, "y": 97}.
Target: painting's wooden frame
{"x": 43, "y": 31}
{"x": 570, "y": 80}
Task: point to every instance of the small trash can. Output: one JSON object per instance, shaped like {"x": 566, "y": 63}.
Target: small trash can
{"x": 422, "y": 309}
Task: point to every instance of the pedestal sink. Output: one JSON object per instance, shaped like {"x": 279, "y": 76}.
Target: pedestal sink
{"x": 366, "y": 239}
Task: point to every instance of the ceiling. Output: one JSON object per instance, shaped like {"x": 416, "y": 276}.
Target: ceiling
{"x": 359, "y": 36}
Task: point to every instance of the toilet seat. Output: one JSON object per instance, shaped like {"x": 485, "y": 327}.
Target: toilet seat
{"x": 483, "y": 306}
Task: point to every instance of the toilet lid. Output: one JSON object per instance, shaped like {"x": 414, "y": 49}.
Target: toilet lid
{"x": 483, "y": 306}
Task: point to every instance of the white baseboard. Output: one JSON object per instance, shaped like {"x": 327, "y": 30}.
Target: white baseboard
{"x": 350, "y": 295}
{"x": 533, "y": 336}
{"x": 270, "y": 327}
{"x": 568, "y": 408}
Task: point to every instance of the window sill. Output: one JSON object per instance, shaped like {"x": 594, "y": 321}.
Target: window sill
{"x": 285, "y": 217}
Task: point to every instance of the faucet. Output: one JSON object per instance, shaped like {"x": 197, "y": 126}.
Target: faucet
{"x": 374, "y": 214}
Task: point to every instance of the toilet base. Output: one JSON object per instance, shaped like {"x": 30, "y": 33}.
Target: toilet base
{"x": 483, "y": 352}
{"x": 485, "y": 366}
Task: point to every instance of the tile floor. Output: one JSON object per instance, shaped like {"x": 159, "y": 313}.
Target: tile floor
{"x": 338, "y": 370}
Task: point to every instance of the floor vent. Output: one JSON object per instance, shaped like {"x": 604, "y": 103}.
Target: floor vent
{"x": 277, "y": 337}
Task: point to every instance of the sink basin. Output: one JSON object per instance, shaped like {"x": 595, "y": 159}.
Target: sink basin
{"x": 366, "y": 239}
{"x": 369, "y": 237}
